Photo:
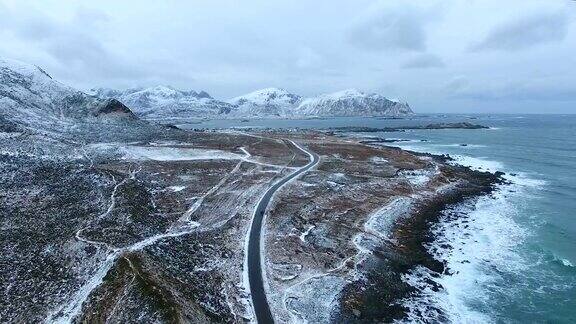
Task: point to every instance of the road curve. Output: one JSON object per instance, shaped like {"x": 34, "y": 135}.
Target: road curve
{"x": 259, "y": 301}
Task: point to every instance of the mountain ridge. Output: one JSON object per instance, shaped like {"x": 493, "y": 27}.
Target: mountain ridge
{"x": 162, "y": 102}
{"x": 167, "y": 102}
{"x": 265, "y": 102}
{"x": 352, "y": 102}
{"x": 32, "y": 98}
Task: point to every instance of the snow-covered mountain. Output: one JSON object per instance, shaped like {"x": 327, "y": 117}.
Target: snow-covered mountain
{"x": 352, "y": 102}
{"x": 167, "y": 103}
{"x": 164, "y": 102}
{"x": 279, "y": 102}
{"x": 30, "y": 97}
{"x": 265, "y": 102}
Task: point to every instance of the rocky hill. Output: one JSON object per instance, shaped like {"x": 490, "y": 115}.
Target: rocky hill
{"x": 31, "y": 98}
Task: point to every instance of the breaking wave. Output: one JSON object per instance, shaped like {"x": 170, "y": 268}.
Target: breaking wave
{"x": 477, "y": 241}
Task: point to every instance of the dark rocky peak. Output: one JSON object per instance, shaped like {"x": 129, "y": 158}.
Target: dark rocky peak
{"x": 113, "y": 107}
{"x": 204, "y": 94}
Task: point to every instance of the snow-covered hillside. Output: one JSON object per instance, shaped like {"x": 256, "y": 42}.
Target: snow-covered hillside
{"x": 265, "y": 102}
{"x": 167, "y": 103}
{"x": 163, "y": 102}
{"x": 279, "y": 102}
{"x": 352, "y": 102}
{"x": 30, "y": 97}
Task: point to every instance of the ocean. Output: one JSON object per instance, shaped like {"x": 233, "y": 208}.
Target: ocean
{"x": 512, "y": 256}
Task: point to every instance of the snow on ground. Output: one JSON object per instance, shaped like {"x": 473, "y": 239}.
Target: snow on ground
{"x": 303, "y": 235}
{"x": 171, "y": 151}
{"x": 378, "y": 159}
{"x": 419, "y": 178}
{"x": 380, "y": 223}
{"x": 9, "y": 135}
{"x": 174, "y": 154}
{"x": 312, "y": 300}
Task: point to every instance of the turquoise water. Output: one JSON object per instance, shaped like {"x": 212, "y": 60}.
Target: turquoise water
{"x": 523, "y": 250}
{"x": 515, "y": 261}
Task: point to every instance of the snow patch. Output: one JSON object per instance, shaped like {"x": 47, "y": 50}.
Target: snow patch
{"x": 156, "y": 153}
{"x": 306, "y": 233}
{"x": 313, "y": 300}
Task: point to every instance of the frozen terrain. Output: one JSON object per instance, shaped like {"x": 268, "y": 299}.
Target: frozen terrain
{"x": 109, "y": 218}
{"x": 340, "y": 238}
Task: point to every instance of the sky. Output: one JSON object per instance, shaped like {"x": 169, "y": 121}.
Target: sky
{"x": 466, "y": 56}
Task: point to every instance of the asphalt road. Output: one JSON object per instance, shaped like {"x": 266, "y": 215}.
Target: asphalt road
{"x": 259, "y": 301}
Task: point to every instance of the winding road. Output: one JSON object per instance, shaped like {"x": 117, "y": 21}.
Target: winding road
{"x": 255, "y": 266}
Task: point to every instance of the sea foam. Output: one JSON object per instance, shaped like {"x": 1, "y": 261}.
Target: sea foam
{"x": 477, "y": 241}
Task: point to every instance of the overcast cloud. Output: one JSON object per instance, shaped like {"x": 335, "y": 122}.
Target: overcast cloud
{"x": 440, "y": 56}
{"x": 425, "y": 61}
{"x": 390, "y": 28}
{"x": 526, "y": 32}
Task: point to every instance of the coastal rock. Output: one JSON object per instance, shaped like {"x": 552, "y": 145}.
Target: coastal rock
{"x": 461, "y": 125}
{"x": 365, "y": 129}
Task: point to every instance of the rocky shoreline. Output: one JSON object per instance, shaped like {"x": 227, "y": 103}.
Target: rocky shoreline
{"x": 378, "y": 296}
{"x": 363, "y": 129}
{"x": 339, "y": 251}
